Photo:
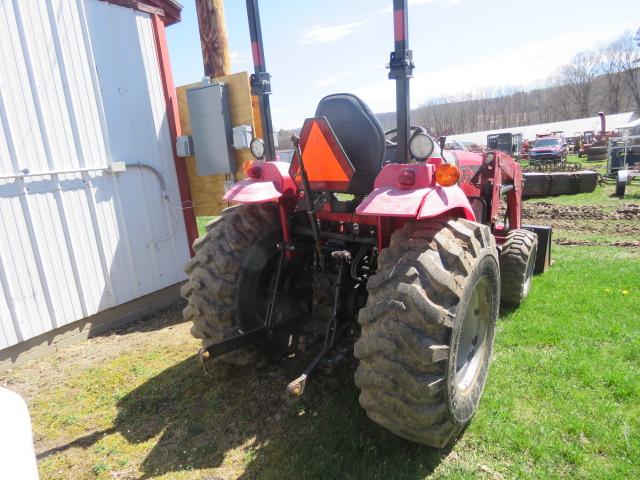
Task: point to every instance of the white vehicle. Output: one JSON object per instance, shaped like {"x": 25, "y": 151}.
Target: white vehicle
{"x": 17, "y": 455}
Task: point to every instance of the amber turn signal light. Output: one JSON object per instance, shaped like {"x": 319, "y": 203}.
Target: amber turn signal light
{"x": 246, "y": 165}
{"x": 447, "y": 174}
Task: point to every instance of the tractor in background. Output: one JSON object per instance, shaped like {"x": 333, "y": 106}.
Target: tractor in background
{"x": 594, "y": 145}
{"x": 381, "y": 245}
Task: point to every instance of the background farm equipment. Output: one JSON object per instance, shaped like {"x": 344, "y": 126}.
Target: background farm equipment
{"x": 573, "y": 144}
{"x": 509, "y": 143}
{"x": 565, "y": 179}
{"x": 594, "y": 145}
{"x": 378, "y": 243}
{"x": 624, "y": 158}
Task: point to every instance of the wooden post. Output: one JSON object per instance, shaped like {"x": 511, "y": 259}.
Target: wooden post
{"x": 213, "y": 38}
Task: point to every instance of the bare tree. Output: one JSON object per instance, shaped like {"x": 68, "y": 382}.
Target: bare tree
{"x": 593, "y": 81}
{"x": 629, "y": 57}
{"x": 578, "y": 77}
{"x": 611, "y": 66}
{"x": 559, "y": 100}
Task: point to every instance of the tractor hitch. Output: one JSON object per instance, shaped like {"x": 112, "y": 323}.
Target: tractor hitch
{"x": 244, "y": 339}
{"x": 296, "y": 387}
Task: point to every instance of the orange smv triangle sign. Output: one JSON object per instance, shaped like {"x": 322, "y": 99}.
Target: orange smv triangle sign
{"x": 325, "y": 161}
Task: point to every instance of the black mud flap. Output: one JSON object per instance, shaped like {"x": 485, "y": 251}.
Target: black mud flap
{"x": 543, "y": 259}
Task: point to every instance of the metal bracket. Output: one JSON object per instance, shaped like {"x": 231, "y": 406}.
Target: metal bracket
{"x": 401, "y": 66}
{"x": 261, "y": 83}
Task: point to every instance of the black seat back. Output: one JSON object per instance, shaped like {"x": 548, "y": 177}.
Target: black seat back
{"x": 360, "y": 135}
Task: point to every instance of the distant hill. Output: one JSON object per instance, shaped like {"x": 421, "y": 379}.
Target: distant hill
{"x": 508, "y": 107}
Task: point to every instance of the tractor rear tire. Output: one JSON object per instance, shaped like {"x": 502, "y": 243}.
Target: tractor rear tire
{"x": 228, "y": 261}
{"x": 517, "y": 263}
{"x": 428, "y": 329}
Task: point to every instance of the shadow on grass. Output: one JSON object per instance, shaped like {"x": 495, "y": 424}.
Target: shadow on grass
{"x": 202, "y": 420}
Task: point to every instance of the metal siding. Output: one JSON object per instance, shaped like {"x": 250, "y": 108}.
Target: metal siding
{"x": 80, "y": 87}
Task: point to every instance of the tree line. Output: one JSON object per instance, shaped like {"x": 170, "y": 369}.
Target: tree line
{"x": 597, "y": 80}
{"x": 605, "y": 80}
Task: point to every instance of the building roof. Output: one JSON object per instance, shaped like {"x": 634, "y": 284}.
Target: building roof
{"x": 569, "y": 127}
{"x": 632, "y": 124}
{"x": 169, "y": 9}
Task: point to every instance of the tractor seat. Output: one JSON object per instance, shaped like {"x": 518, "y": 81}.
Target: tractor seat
{"x": 360, "y": 135}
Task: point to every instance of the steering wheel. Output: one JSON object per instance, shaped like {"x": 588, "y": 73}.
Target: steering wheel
{"x": 393, "y": 141}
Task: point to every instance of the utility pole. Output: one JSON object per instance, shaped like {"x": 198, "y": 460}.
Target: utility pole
{"x": 213, "y": 38}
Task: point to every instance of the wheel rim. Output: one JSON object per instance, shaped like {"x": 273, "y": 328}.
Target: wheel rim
{"x": 472, "y": 341}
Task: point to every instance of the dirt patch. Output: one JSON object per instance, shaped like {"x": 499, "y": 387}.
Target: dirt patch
{"x": 53, "y": 371}
{"x": 629, "y": 212}
{"x": 588, "y": 225}
{"x": 543, "y": 210}
{"x": 589, "y": 243}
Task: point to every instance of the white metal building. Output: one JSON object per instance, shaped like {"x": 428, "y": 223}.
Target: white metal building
{"x": 83, "y": 87}
{"x": 569, "y": 127}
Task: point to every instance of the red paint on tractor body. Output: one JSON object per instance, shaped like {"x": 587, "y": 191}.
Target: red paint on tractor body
{"x": 425, "y": 199}
{"x": 441, "y": 200}
{"x": 274, "y": 184}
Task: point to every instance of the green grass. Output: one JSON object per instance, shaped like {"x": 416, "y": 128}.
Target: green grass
{"x": 202, "y": 223}
{"x": 562, "y": 401}
{"x": 602, "y": 196}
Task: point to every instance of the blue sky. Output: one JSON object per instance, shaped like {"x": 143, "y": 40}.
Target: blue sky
{"x": 317, "y": 47}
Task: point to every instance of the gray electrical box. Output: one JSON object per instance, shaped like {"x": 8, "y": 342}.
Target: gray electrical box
{"x": 211, "y": 129}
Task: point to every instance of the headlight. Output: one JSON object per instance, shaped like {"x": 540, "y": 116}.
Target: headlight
{"x": 421, "y": 146}
{"x": 257, "y": 148}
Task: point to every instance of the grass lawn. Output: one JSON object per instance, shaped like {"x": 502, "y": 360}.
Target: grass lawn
{"x": 202, "y": 223}
{"x": 562, "y": 399}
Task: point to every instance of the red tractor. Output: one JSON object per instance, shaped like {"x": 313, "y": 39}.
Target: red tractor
{"x": 595, "y": 146}
{"x": 380, "y": 244}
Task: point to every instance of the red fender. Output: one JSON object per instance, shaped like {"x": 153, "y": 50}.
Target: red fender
{"x": 274, "y": 183}
{"x": 423, "y": 199}
{"x": 440, "y": 200}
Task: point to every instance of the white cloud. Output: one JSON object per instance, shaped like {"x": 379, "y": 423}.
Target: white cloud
{"x": 284, "y": 108}
{"x": 508, "y": 68}
{"x": 325, "y": 82}
{"x": 326, "y": 33}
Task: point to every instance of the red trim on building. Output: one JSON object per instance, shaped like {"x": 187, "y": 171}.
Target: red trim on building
{"x": 174, "y": 125}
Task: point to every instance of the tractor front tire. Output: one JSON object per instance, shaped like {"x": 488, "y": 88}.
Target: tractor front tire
{"x": 223, "y": 275}
{"x": 517, "y": 263}
{"x": 428, "y": 329}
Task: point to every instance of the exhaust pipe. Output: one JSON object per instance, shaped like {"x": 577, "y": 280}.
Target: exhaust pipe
{"x": 603, "y": 123}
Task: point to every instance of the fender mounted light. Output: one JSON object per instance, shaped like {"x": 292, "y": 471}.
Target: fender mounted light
{"x": 447, "y": 174}
{"x": 257, "y": 148}
{"x": 246, "y": 165}
{"x": 407, "y": 178}
{"x": 254, "y": 171}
